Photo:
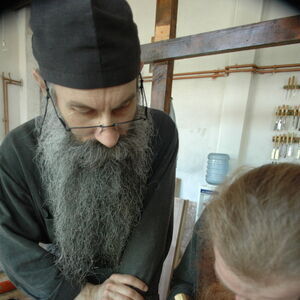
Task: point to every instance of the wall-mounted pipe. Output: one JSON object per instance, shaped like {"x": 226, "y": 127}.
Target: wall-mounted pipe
{"x": 234, "y": 69}
{"x": 5, "y": 82}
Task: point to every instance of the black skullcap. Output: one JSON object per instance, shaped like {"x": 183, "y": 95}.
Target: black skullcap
{"x": 85, "y": 44}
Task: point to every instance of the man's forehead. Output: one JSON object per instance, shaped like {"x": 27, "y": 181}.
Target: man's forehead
{"x": 84, "y": 96}
{"x": 112, "y": 89}
{"x": 81, "y": 103}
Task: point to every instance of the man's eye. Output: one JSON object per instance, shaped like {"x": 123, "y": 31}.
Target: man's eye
{"x": 126, "y": 104}
{"x": 123, "y": 107}
{"x": 82, "y": 110}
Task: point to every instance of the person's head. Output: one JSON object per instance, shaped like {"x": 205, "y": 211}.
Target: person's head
{"x": 88, "y": 113}
{"x": 94, "y": 179}
{"x": 253, "y": 224}
{"x": 90, "y": 52}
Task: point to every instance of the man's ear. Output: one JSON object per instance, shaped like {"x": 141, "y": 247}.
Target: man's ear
{"x": 40, "y": 81}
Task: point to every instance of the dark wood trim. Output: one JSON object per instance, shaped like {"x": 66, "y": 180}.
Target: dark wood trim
{"x": 166, "y": 19}
{"x": 162, "y": 86}
{"x": 283, "y": 31}
{"x": 165, "y": 28}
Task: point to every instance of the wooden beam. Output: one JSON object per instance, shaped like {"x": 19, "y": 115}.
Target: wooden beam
{"x": 166, "y": 19}
{"x": 165, "y": 28}
{"x": 271, "y": 33}
{"x": 162, "y": 86}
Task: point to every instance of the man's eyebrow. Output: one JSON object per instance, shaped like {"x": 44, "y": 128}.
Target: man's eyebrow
{"x": 130, "y": 97}
{"x": 78, "y": 104}
{"x": 82, "y": 105}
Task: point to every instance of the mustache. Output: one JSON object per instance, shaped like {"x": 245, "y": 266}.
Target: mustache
{"x": 93, "y": 153}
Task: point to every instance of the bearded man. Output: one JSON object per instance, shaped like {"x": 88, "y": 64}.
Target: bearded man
{"x": 87, "y": 189}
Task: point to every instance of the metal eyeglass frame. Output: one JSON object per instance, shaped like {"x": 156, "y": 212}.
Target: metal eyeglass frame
{"x": 69, "y": 129}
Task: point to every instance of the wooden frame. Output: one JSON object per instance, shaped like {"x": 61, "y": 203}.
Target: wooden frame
{"x": 278, "y": 32}
{"x": 180, "y": 210}
{"x": 165, "y": 28}
{"x": 283, "y": 31}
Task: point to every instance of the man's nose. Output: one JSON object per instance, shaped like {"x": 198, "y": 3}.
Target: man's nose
{"x": 107, "y": 136}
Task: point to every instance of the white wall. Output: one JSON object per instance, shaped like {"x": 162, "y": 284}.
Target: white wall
{"x": 9, "y": 61}
{"x": 232, "y": 115}
{"x": 30, "y": 97}
{"x": 16, "y": 58}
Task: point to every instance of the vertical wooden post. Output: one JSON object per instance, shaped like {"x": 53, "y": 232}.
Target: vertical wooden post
{"x": 165, "y": 28}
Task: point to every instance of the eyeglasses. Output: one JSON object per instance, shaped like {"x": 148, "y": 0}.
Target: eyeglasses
{"x": 142, "y": 115}
{"x": 89, "y": 130}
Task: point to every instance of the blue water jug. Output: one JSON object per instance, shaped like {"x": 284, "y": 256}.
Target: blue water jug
{"x": 217, "y": 168}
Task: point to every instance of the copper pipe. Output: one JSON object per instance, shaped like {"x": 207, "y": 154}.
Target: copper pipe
{"x": 278, "y": 66}
{"x": 200, "y": 72}
{"x": 192, "y": 73}
{"x": 5, "y": 82}
{"x": 279, "y": 71}
{"x": 235, "y": 69}
{"x": 262, "y": 67}
{"x": 264, "y": 72}
{"x": 5, "y": 106}
{"x": 193, "y": 77}
{"x": 240, "y": 66}
{"x": 200, "y": 76}
{"x": 241, "y": 71}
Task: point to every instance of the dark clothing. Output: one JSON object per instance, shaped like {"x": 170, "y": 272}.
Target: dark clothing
{"x": 195, "y": 276}
{"x": 184, "y": 280}
{"x": 25, "y": 219}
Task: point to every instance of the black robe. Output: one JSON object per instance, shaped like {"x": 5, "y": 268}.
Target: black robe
{"x": 25, "y": 219}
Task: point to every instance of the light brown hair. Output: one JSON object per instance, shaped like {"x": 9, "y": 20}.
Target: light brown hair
{"x": 254, "y": 221}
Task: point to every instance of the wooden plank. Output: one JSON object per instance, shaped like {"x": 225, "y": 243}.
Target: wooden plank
{"x": 162, "y": 86}
{"x": 165, "y": 28}
{"x": 166, "y": 19}
{"x": 180, "y": 209}
{"x": 283, "y": 31}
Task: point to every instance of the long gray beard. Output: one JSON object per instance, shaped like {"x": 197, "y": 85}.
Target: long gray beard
{"x": 95, "y": 194}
